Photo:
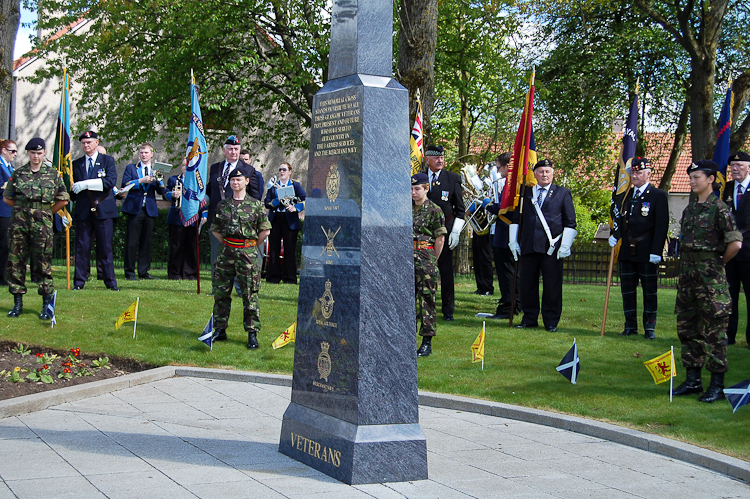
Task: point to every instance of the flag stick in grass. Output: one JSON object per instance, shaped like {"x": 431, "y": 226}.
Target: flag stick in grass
{"x": 662, "y": 368}
{"x": 131, "y": 314}
{"x": 477, "y": 348}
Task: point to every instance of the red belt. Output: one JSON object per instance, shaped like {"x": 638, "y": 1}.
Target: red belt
{"x": 421, "y": 245}
{"x": 240, "y": 243}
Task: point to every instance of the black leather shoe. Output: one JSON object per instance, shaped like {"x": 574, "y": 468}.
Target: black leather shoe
{"x": 17, "y": 305}
{"x": 500, "y": 316}
{"x": 131, "y": 278}
{"x": 220, "y": 335}
{"x": 76, "y": 288}
{"x": 114, "y": 288}
{"x": 425, "y": 349}
{"x": 551, "y": 329}
{"x": 526, "y": 326}
{"x": 148, "y": 277}
{"x": 650, "y": 334}
{"x": 448, "y": 317}
{"x": 252, "y": 341}
{"x": 692, "y": 383}
{"x": 45, "y": 313}
{"x": 629, "y": 332}
{"x": 715, "y": 390}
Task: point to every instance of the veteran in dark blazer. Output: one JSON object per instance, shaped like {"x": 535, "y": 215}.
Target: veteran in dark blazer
{"x": 738, "y": 268}
{"x": 94, "y": 175}
{"x": 141, "y": 209}
{"x": 181, "y": 249}
{"x": 644, "y": 221}
{"x": 541, "y": 248}
{"x": 447, "y": 193}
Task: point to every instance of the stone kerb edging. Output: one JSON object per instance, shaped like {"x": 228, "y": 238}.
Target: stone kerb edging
{"x": 730, "y": 466}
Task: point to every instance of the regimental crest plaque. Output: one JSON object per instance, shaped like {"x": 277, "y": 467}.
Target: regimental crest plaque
{"x": 326, "y": 301}
{"x": 324, "y": 361}
{"x": 333, "y": 182}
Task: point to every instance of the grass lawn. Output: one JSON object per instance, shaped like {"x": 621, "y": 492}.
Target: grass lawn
{"x": 613, "y": 384}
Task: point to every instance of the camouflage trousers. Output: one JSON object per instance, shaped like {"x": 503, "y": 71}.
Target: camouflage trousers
{"x": 425, "y": 287}
{"x": 703, "y": 307}
{"x": 242, "y": 264}
{"x": 30, "y": 240}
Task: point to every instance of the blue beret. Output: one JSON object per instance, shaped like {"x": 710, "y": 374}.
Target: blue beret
{"x": 420, "y": 178}
{"x": 232, "y": 141}
{"x": 238, "y": 172}
{"x": 704, "y": 165}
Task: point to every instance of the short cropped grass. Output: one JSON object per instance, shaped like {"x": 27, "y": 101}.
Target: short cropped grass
{"x": 519, "y": 368}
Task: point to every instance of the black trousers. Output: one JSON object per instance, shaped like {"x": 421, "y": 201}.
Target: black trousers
{"x": 182, "y": 258}
{"x": 630, "y": 274}
{"x": 4, "y": 224}
{"x": 280, "y": 230}
{"x": 551, "y": 270}
{"x": 138, "y": 238}
{"x": 505, "y": 265}
{"x": 738, "y": 274}
{"x": 445, "y": 267}
{"x": 87, "y": 230}
{"x": 483, "y": 273}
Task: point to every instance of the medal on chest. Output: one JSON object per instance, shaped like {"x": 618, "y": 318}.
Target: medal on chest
{"x": 444, "y": 195}
{"x": 645, "y": 208}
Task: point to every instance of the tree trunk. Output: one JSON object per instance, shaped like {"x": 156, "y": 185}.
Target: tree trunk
{"x": 9, "y": 17}
{"x": 741, "y": 98}
{"x": 417, "y": 42}
{"x": 680, "y": 135}
{"x": 702, "y": 118}
{"x": 463, "y": 123}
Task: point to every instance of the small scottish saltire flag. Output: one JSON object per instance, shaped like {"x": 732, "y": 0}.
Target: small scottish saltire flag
{"x": 570, "y": 364}
{"x": 738, "y": 395}
{"x": 207, "y": 336}
{"x": 51, "y": 309}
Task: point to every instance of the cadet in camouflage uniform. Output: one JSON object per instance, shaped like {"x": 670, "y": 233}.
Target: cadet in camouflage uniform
{"x": 35, "y": 191}
{"x": 708, "y": 240}
{"x": 429, "y": 237}
{"x": 241, "y": 225}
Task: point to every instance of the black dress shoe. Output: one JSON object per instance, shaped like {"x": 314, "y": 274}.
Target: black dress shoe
{"x": 500, "y": 316}
{"x": 148, "y": 277}
{"x": 629, "y": 332}
{"x": 650, "y": 335}
{"x": 114, "y": 288}
{"x": 131, "y": 278}
{"x": 220, "y": 335}
{"x": 526, "y": 326}
{"x": 448, "y": 317}
{"x": 77, "y": 288}
{"x": 551, "y": 329}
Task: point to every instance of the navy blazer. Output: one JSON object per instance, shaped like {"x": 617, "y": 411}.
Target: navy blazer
{"x": 213, "y": 189}
{"x": 447, "y": 193}
{"x": 557, "y": 209}
{"x": 291, "y": 218}
{"x": 741, "y": 218}
{"x": 647, "y": 214}
{"x": 105, "y": 169}
{"x": 173, "y": 216}
{"x": 134, "y": 200}
{"x": 5, "y": 210}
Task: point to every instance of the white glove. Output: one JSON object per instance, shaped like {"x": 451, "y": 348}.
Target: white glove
{"x": 458, "y": 226}
{"x": 513, "y": 245}
{"x": 568, "y": 236}
{"x": 612, "y": 241}
{"x": 655, "y": 259}
{"x": 65, "y": 221}
{"x": 94, "y": 184}
{"x": 200, "y": 225}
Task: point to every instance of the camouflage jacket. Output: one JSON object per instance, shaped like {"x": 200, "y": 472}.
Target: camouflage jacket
{"x": 707, "y": 226}
{"x": 244, "y": 221}
{"x": 45, "y": 186}
{"x": 428, "y": 224}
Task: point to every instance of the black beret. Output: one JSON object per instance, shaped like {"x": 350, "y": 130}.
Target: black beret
{"x": 420, "y": 178}
{"x": 703, "y": 165}
{"x": 544, "y": 162}
{"x": 35, "y": 144}
{"x": 232, "y": 141}
{"x": 238, "y": 172}
{"x": 739, "y": 156}
{"x": 639, "y": 164}
{"x": 435, "y": 151}
{"x": 88, "y": 134}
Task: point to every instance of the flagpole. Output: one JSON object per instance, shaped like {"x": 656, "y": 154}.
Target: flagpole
{"x": 609, "y": 284}
{"x": 198, "y": 252}
{"x": 135, "y": 321}
{"x": 484, "y": 331}
{"x": 671, "y": 371}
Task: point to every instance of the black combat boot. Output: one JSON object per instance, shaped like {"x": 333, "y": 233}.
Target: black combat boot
{"x": 425, "y": 348}
{"x": 692, "y": 383}
{"x": 715, "y": 389}
{"x": 45, "y": 315}
{"x": 252, "y": 341}
{"x": 220, "y": 335}
{"x": 17, "y": 305}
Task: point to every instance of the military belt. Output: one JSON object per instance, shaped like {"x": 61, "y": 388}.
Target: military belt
{"x": 696, "y": 256}
{"x": 240, "y": 243}
{"x": 422, "y": 245}
{"x": 34, "y": 205}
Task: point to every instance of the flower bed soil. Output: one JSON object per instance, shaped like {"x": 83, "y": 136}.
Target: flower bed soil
{"x": 84, "y": 362}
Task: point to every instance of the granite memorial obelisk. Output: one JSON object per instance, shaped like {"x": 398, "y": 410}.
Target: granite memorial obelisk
{"x": 354, "y": 408}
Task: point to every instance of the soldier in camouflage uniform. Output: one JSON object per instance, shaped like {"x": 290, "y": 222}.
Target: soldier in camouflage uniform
{"x": 241, "y": 225}
{"x": 709, "y": 239}
{"x": 429, "y": 237}
{"x": 35, "y": 191}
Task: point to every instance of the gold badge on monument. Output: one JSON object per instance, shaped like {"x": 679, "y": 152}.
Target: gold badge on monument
{"x": 333, "y": 182}
{"x": 324, "y": 361}
{"x": 329, "y": 248}
{"x": 326, "y": 301}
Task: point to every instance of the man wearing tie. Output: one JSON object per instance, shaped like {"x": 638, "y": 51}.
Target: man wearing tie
{"x": 738, "y": 268}
{"x": 94, "y": 175}
{"x": 8, "y": 153}
{"x": 446, "y": 192}
{"x": 218, "y": 187}
{"x": 643, "y": 223}
{"x": 140, "y": 206}
{"x": 547, "y": 233}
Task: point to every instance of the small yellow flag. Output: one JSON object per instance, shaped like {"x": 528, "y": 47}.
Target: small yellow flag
{"x": 477, "y": 348}
{"x": 286, "y": 337}
{"x": 662, "y": 367}
{"x": 128, "y": 316}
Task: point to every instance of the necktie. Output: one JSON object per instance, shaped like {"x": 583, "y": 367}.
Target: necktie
{"x": 635, "y": 193}
{"x": 91, "y": 167}
{"x": 434, "y": 179}
{"x": 225, "y": 175}
{"x": 540, "y": 196}
{"x": 739, "y": 195}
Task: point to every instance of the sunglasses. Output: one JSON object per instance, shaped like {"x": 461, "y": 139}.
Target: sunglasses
{"x": 12, "y": 151}
{"x": 283, "y": 169}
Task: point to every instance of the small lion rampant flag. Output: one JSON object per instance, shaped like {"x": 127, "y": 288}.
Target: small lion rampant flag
{"x": 416, "y": 141}
{"x": 477, "y": 348}
{"x": 662, "y": 368}
{"x": 286, "y": 337}
{"x": 130, "y": 315}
